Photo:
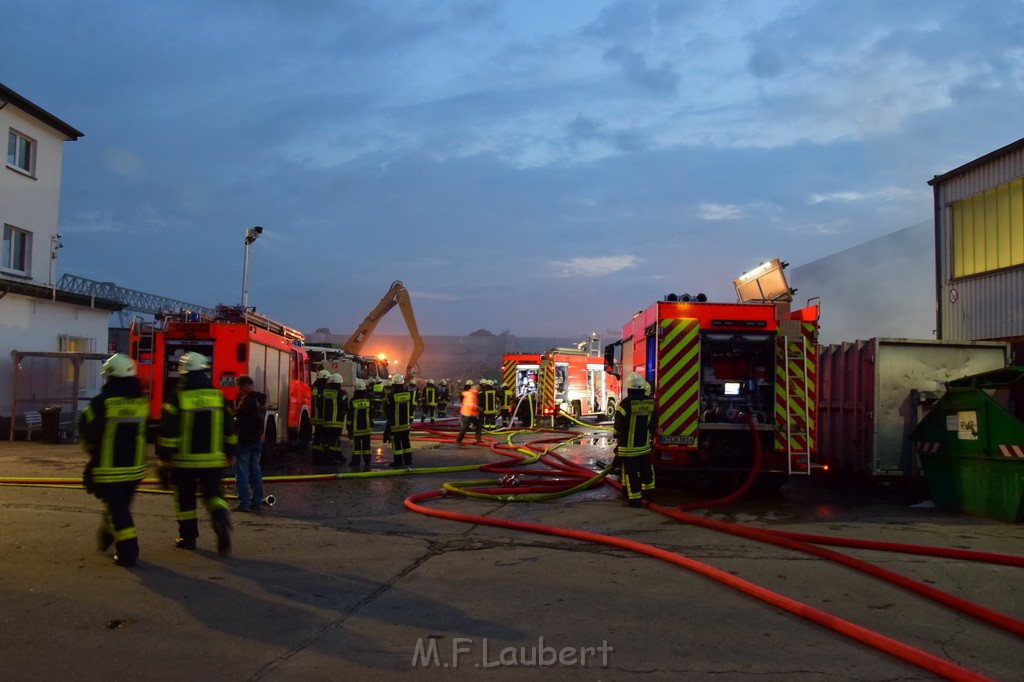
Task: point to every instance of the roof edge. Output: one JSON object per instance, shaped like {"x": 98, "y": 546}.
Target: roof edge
{"x": 960, "y": 170}
{"x": 10, "y": 286}
{"x": 9, "y": 96}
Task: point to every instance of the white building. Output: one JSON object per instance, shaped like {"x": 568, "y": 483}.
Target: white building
{"x": 34, "y": 315}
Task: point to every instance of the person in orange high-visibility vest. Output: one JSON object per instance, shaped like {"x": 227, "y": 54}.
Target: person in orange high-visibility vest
{"x": 469, "y": 412}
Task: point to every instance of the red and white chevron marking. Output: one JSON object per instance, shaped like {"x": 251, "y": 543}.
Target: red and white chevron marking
{"x": 1012, "y": 450}
{"x": 927, "y": 448}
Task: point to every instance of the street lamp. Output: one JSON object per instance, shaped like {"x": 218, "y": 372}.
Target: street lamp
{"x": 251, "y": 235}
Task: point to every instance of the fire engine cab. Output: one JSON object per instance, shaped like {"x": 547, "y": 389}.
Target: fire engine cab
{"x": 237, "y": 341}
{"x": 569, "y": 380}
{"x": 723, "y": 372}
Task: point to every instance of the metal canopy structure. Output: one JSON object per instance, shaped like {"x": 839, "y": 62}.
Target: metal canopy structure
{"x": 133, "y": 300}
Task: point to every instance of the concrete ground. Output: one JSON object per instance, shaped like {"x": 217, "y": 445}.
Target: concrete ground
{"x": 340, "y": 581}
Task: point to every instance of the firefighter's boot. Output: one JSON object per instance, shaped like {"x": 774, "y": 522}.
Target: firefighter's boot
{"x": 222, "y": 529}
{"x": 127, "y": 553}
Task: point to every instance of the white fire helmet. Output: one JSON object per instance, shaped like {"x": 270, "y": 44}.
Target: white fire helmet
{"x": 359, "y": 385}
{"x": 634, "y": 380}
{"x": 430, "y": 381}
{"x": 193, "y": 362}
{"x": 323, "y": 374}
{"x": 118, "y": 365}
{"x": 335, "y": 379}
{"x": 397, "y": 380}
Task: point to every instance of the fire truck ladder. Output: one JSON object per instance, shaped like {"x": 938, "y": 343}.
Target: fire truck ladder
{"x": 143, "y": 351}
{"x": 795, "y": 404}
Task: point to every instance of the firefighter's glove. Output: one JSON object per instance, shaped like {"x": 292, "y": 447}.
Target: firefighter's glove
{"x": 616, "y": 462}
{"x": 87, "y": 483}
{"x": 387, "y": 434}
{"x": 163, "y": 472}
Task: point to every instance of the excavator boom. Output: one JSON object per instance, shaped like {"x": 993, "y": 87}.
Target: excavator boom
{"x": 397, "y": 295}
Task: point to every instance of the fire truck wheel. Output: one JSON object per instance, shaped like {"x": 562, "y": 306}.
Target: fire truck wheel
{"x": 269, "y": 440}
{"x": 609, "y": 411}
{"x": 305, "y": 432}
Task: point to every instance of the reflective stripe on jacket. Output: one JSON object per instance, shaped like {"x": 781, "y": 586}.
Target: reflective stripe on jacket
{"x": 398, "y": 409}
{"x": 198, "y": 429}
{"x": 359, "y": 421}
{"x": 114, "y": 434}
{"x": 634, "y": 423}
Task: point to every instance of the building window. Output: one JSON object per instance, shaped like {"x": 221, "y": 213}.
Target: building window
{"x": 17, "y": 244}
{"x": 988, "y": 230}
{"x": 21, "y": 152}
{"x": 78, "y": 344}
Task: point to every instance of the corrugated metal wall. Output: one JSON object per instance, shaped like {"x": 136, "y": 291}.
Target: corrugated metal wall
{"x": 988, "y": 306}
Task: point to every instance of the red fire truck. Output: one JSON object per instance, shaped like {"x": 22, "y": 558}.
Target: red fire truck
{"x": 237, "y": 342}
{"x": 569, "y": 380}
{"x": 714, "y": 365}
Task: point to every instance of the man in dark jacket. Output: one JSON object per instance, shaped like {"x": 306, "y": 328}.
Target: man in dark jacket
{"x": 249, "y": 414}
{"x": 112, "y": 430}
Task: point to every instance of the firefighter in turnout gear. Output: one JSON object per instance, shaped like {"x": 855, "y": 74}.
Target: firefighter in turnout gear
{"x": 360, "y": 426}
{"x": 377, "y": 391}
{"x": 335, "y": 411}
{"x": 317, "y": 417}
{"x": 488, "y": 400}
{"x": 197, "y": 440}
{"x": 398, "y": 407}
{"x": 443, "y": 398}
{"x": 112, "y": 430}
{"x": 429, "y": 402}
{"x": 506, "y": 400}
{"x": 634, "y": 426}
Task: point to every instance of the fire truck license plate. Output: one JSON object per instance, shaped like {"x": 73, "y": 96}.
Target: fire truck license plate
{"x": 677, "y": 440}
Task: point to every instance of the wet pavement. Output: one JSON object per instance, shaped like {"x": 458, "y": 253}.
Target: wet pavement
{"x": 339, "y": 581}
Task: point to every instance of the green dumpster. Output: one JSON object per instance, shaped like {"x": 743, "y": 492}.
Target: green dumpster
{"x": 971, "y": 446}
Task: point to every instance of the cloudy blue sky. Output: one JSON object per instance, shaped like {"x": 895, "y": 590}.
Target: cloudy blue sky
{"x": 543, "y": 167}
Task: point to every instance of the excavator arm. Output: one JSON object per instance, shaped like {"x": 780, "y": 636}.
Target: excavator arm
{"x": 397, "y": 295}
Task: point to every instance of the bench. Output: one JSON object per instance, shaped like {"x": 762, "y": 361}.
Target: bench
{"x": 28, "y": 423}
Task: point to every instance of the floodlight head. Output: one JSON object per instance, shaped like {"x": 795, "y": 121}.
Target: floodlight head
{"x": 252, "y": 234}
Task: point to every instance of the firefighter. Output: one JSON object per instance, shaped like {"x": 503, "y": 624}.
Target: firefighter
{"x": 443, "y": 397}
{"x": 506, "y": 398}
{"x": 398, "y": 406}
{"x": 634, "y": 426}
{"x": 377, "y": 391}
{"x": 197, "y": 441}
{"x": 469, "y": 413}
{"x": 360, "y": 426}
{"x": 429, "y": 401}
{"x": 112, "y": 430}
{"x": 488, "y": 399}
{"x": 416, "y": 397}
{"x": 335, "y": 410}
{"x": 317, "y": 418}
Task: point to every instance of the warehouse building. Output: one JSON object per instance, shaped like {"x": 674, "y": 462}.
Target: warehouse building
{"x": 979, "y": 249}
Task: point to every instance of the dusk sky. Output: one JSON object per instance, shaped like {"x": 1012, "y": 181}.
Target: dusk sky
{"x": 546, "y": 168}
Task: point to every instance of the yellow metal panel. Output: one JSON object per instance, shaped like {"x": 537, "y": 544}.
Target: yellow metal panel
{"x": 1017, "y": 222}
{"x": 1003, "y": 226}
{"x": 990, "y": 228}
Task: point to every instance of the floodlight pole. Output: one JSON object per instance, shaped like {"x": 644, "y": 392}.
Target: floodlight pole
{"x": 251, "y": 235}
